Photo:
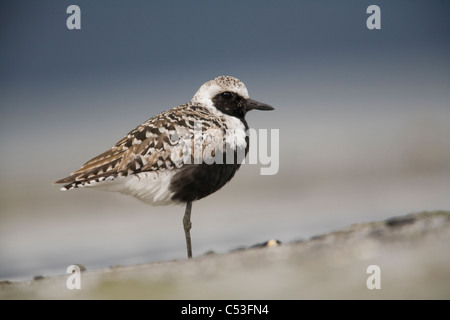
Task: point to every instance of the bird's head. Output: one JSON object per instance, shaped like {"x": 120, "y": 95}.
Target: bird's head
{"x": 228, "y": 95}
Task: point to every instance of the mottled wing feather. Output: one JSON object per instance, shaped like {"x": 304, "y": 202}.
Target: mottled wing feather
{"x": 157, "y": 144}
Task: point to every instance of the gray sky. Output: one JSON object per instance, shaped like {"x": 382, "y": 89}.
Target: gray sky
{"x": 149, "y": 39}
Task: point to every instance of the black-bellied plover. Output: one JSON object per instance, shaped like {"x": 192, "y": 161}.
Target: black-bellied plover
{"x": 181, "y": 155}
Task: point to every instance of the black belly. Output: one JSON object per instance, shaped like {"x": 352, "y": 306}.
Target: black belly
{"x": 197, "y": 181}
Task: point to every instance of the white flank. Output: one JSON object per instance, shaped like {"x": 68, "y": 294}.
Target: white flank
{"x": 151, "y": 187}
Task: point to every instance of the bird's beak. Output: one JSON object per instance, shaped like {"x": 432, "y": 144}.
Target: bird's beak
{"x": 253, "y": 104}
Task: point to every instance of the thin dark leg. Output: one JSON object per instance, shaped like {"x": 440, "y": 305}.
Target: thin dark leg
{"x": 187, "y": 227}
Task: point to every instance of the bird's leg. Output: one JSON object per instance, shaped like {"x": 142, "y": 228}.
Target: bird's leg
{"x": 187, "y": 227}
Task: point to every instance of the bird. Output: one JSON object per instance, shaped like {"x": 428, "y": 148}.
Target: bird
{"x": 180, "y": 155}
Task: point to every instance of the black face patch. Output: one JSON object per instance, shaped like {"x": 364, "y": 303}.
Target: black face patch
{"x": 231, "y": 104}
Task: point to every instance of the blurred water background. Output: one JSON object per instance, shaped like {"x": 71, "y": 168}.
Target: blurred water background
{"x": 363, "y": 117}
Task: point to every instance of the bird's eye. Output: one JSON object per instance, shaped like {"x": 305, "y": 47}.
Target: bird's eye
{"x": 227, "y": 95}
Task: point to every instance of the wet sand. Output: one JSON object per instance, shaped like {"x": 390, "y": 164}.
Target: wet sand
{"x": 410, "y": 254}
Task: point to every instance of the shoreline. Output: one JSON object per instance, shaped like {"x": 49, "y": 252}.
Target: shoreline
{"x": 411, "y": 252}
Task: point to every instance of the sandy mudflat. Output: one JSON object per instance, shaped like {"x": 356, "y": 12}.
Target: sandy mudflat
{"x": 411, "y": 251}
